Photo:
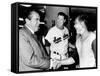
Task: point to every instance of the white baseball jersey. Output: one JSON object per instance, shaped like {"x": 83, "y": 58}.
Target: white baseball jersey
{"x": 59, "y": 42}
{"x": 84, "y": 48}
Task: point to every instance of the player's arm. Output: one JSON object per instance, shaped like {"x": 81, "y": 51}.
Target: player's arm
{"x": 68, "y": 61}
{"x": 94, "y": 47}
{"x": 48, "y": 39}
{"x": 73, "y": 58}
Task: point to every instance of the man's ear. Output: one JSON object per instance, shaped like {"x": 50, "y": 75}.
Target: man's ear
{"x": 83, "y": 24}
{"x": 27, "y": 21}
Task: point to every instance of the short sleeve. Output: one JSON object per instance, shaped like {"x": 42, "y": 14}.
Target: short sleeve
{"x": 49, "y": 36}
{"x": 67, "y": 31}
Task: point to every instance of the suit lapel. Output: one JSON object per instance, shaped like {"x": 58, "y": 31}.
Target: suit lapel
{"x": 37, "y": 42}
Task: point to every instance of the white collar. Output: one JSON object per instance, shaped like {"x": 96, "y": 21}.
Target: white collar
{"x": 60, "y": 29}
{"x": 30, "y": 29}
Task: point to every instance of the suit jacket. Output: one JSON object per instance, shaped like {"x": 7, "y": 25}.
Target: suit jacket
{"x": 32, "y": 56}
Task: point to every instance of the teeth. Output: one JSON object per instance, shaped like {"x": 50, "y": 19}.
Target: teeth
{"x": 42, "y": 23}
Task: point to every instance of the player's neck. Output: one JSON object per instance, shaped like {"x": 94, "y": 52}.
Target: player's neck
{"x": 85, "y": 35}
{"x": 60, "y": 28}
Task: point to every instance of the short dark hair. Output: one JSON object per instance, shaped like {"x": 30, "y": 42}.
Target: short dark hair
{"x": 86, "y": 19}
{"x": 64, "y": 15}
{"x": 29, "y": 13}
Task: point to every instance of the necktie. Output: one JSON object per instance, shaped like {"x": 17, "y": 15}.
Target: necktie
{"x": 39, "y": 44}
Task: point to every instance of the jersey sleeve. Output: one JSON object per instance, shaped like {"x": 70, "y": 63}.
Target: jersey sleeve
{"x": 67, "y": 31}
{"x": 49, "y": 36}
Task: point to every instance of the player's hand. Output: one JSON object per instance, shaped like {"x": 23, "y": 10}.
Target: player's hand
{"x": 56, "y": 64}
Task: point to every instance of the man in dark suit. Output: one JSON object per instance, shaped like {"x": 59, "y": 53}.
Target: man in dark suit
{"x": 32, "y": 56}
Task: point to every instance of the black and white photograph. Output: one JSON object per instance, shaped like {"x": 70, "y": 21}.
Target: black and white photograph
{"x": 51, "y": 37}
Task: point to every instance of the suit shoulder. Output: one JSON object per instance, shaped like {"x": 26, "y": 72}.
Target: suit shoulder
{"x": 22, "y": 31}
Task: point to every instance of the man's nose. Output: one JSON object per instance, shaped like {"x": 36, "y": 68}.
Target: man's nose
{"x": 41, "y": 22}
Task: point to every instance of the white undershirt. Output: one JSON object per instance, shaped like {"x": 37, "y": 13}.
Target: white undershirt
{"x": 30, "y": 29}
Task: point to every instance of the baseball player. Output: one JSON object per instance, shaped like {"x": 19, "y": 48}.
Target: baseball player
{"x": 58, "y": 37}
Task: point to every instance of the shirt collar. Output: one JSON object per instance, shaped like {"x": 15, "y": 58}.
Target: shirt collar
{"x": 60, "y": 29}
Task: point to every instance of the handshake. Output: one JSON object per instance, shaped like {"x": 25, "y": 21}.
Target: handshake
{"x": 55, "y": 64}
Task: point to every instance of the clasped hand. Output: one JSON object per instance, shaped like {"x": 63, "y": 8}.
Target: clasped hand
{"x": 56, "y": 64}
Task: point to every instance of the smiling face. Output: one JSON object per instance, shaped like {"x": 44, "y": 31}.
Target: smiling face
{"x": 79, "y": 26}
{"x": 34, "y": 21}
{"x": 60, "y": 21}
